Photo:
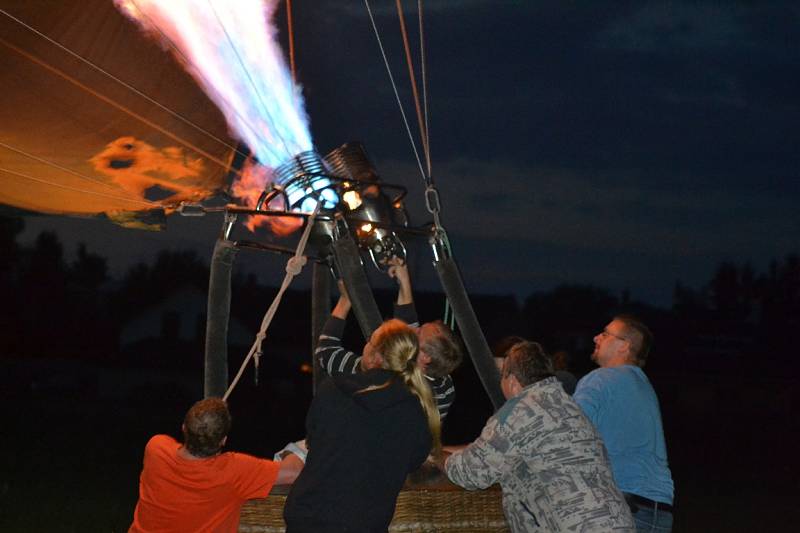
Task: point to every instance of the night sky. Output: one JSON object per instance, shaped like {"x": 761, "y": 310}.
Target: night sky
{"x": 627, "y": 145}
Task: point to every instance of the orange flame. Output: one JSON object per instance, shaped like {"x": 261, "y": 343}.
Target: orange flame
{"x": 254, "y": 179}
{"x": 136, "y": 166}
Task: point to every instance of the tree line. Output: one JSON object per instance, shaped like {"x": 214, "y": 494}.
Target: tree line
{"x": 60, "y": 308}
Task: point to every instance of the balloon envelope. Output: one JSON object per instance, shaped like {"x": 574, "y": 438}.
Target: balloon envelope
{"x": 80, "y": 140}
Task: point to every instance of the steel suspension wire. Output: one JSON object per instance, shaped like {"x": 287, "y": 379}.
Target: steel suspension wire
{"x": 439, "y": 239}
{"x": 394, "y": 87}
{"x": 76, "y": 189}
{"x": 293, "y": 267}
{"x": 59, "y": 167}
{"x": 120, "y": 81}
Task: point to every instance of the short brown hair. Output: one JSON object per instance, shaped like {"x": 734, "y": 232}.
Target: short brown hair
{"x": 528, "y": 362}
{"x": 444, "y": 349}
{"x": 640, "y": 347}
{"x": 205, "y": 426}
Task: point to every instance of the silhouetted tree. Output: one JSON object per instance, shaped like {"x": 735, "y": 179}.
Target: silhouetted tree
{"x": 143, "y": 285}
{"x": 88, "y": 271}
{"x": 729, "y": 299}
{"x": 10, "y": 288}
{"x": 10, "y": 227}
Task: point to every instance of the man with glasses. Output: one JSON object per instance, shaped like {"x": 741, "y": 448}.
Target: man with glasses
{"x": 620, "y": 401}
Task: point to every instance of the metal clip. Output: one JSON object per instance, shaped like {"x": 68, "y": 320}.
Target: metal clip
{"x": 191, "y": 210}
{"x": 432, "y": 200}
{"x": 227, "y": 224}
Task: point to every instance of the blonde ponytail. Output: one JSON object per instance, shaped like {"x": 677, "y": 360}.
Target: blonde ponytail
{"x": 398, "y": 345}
{"x": 415, "y": 381}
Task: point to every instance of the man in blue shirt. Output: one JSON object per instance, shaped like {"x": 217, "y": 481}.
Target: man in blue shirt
{"x": 620, "y": 401}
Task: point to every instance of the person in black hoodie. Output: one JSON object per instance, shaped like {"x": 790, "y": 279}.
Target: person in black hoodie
{"x": 365, "y": 433}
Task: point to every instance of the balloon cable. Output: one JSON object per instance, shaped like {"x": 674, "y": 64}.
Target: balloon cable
{"x": 56, "y": 165}
{"x": 394, "y": 87}
{"x": 423, "y": 133}
{"x": 423, "y": 70}
{"x": 76, "y": 189}
{"x": 290, "y": 27}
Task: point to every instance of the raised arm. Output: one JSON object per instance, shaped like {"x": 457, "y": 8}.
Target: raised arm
{"x": 343, "y": 305}
{"x": 404, "y": 308}
{"x": 444, "y": 391}
{"x": 332, "y": 356}
{"x": 399, "y": 271}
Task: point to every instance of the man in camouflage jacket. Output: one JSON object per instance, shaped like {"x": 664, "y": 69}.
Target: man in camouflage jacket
{"x": 548, "y": 458}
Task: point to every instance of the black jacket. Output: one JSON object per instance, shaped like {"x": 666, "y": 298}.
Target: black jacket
{"x": 361, "y": 447}
{"x": 335, "y": 359}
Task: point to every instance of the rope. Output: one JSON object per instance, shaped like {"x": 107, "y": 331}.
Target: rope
{"x": 423, "y": 133}
{"x": 111, "y": 102}
{"x": 423, "y": 70}
{"x": 290, "y": 28}
{"x": 394, "y": 87}
{"x": 293, "y": 268}
{"x": 431, "y": 194}
{"x": 121, "y": 82}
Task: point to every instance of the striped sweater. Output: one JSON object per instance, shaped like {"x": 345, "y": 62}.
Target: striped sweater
{"x": 336, "y": 359}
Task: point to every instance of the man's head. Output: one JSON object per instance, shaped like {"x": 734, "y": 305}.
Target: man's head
{"x": 439, "y": 350}
{"x": 205, "y": 427}
{"x": 624, "y": 341}
{"x": 525, "y": 363}
{"x": 501, "y": 347}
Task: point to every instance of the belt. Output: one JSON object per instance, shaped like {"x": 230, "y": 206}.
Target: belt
{"x": 635, "y": 501}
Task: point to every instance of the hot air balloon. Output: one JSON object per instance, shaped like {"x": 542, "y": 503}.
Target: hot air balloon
{"x": 137, "y": 109}
{"x": 140, "y": 108}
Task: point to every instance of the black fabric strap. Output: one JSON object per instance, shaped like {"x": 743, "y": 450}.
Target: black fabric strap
{"x": 635, "y": 502}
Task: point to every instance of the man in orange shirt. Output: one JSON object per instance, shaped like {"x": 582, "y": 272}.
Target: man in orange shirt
{"x": 195, "y": 486}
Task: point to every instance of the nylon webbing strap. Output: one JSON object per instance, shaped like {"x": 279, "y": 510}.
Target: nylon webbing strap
{"x": 470, "y": 329}
{"x": 348, "y": 262}
{"x": 217, "y": 317}
{"x": 320, "y": 310}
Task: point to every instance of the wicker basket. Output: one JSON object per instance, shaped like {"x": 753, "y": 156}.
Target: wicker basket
{"x": 429, "y": 506}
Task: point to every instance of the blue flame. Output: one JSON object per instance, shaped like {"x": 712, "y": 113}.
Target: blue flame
{"x": 232, "y": 52}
